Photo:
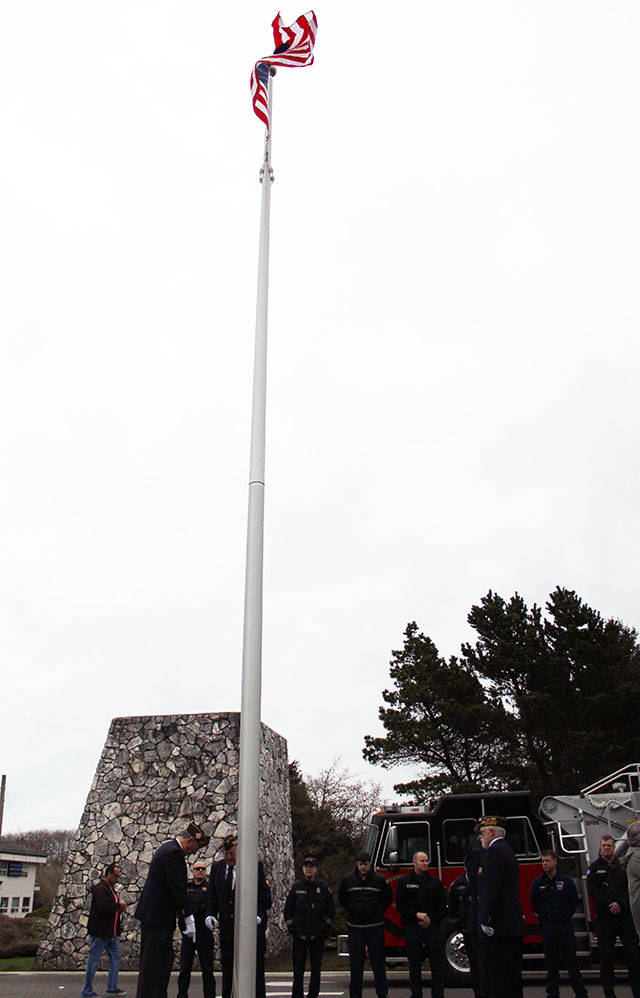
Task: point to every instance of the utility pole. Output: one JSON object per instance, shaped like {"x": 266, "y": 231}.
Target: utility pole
{"x": 2, "y": 790}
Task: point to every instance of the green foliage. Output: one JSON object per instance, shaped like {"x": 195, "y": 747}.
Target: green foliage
{"x": 329, "y": 814}
{"x": 19, "y": 937}
{"x": 549, "y": 702}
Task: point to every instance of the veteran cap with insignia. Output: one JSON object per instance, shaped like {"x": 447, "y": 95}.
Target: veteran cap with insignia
{"x": 195, "y": 832}
{"x": 490, "y": 821}
{"x": 310, "y": 861}
{"x": 229, "y": 842}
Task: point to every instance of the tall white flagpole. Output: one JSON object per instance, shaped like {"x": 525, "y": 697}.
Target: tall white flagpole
{"x": 246, "y": 902}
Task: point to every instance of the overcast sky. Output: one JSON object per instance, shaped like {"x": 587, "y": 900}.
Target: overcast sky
{"x": 453, "y": 354}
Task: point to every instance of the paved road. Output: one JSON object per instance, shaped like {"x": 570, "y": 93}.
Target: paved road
{"x": 334, "y": 985}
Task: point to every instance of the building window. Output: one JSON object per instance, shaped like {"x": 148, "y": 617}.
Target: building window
{"x": 15, "y": 869}
{"x": 15, "y": 906}
{"x": 26, "y": 904}
{"x": 4, "y": 906}
{"x": 4, "y": 867}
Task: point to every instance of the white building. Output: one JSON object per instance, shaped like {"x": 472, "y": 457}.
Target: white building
{"x": 17, "y": 879}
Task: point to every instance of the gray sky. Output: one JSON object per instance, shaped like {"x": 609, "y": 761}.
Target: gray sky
{"x": 453, "y": 354}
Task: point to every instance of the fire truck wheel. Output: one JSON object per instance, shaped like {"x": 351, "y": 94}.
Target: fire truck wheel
{"x": 456, "y": 961}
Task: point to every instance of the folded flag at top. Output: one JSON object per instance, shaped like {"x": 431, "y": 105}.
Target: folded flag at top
{"x": 293, "y": 47}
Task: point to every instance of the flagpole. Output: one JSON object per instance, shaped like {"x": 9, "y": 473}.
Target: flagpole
{"x": 246, "y": 903}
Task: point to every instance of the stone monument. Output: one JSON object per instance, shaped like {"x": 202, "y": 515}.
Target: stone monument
{"x": 154, "y": 774}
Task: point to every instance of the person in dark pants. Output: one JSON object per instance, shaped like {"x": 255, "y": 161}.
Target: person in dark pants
{"x": 198, "y": 891}
{"x": 554, "y": 899}
{"x": 499, "y": 914}
{"x": 308, "y": 913}
{"x": 104, "y": 927}
{"x": 462, "y": 901}
{"x": 422, "y": 904}
{"x": 365, "y": 896}
{"x": 607, "y": 886}
{"x": 164, "y": 898}
{"x": 221, "y": 910}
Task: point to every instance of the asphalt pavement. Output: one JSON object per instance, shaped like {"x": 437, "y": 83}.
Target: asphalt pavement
{"x": 335, "y": 984}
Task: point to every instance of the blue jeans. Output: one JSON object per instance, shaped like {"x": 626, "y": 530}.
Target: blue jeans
{"x": 97, "y": 948}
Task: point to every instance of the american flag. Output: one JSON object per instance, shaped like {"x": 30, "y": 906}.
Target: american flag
{"x": 293, "y": 47}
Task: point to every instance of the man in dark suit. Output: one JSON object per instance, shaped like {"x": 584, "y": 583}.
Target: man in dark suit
{"x": 164, "y": 898}
{"x": 220, "y": 912}
{"x": 500, "y": 913}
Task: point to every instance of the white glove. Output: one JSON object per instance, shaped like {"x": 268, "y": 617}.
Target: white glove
{"x": 488, "y": 930}
{"x": 190, "y": 927}
{"x": 259, "y": 919}
{"x": 210, "y": 922}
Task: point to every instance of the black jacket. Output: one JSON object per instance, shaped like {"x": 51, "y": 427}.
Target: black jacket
{"x": 198, "y": 898}
{"x": 420, "y": 893}
{"x": 607, "y": 882}
{"x": 309, "y": 909}
{"x": 553, "y": 899}
{"x": 459, "y": 902}
{"x": 105, "y": 919}
{"x": 164, "y": 895}
{"x": 472, "y": 863}
{"x": 365, "y": 899}
{"x": 221, "y": 900}
{"x": 499, "y": 890}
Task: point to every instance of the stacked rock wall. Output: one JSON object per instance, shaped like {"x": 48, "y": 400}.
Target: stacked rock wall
{"x": 155, "y": 773}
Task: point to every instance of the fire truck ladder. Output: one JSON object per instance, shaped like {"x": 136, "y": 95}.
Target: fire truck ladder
{"x": 578, "y": 822}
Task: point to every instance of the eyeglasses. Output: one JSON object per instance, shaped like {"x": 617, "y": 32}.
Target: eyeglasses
{"x": 203, "y": 868}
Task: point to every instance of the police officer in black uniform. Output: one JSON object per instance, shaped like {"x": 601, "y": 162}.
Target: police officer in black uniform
{"x": 221, "y": 909}
{"x": 422, "y": 904}
{"x": 554, "y": 899}
{"x": 308, "y": 912}
{"x": 198, "y": 893}
{"x": 463, "y": 909}
{"x": 164, "y": 898}
{"x": 607, "y": 885}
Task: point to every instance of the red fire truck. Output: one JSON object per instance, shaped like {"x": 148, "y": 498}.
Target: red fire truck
{"x": 573, "y": 825}
{"x": 445, "y": 831}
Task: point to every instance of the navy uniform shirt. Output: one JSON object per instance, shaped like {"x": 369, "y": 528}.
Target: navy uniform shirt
{"x": 554, "y": 899}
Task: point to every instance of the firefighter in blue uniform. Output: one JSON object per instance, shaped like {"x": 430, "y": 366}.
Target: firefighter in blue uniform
{"x": 607, "y": 885}
{"x": 163, "y": 899}
{"x": 198, "y": 893}
{"x": 499, "y": 913}
{"x": 554, "y": 899}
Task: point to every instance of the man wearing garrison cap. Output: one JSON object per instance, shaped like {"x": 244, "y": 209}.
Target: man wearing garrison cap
{"x": 164, "y": 898}
{"x": 499, "y": 913}
{"x": 221, "y": 912}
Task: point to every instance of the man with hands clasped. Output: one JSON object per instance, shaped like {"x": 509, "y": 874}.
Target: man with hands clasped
{"x": 422, "y": 904}
{"x": 607, "y": 885}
